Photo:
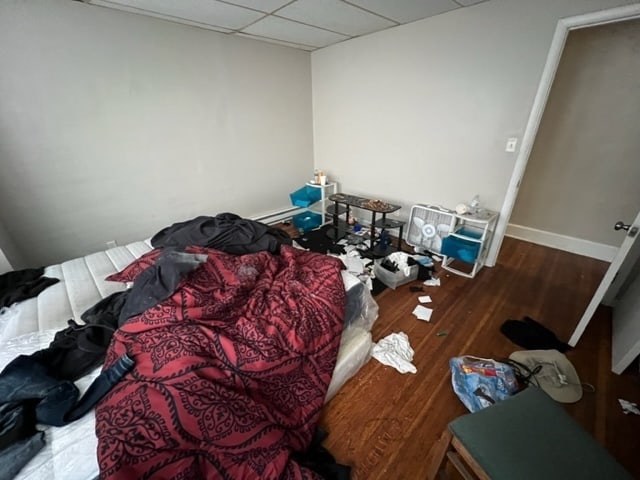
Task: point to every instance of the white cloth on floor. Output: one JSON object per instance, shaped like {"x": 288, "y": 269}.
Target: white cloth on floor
{"x": 394, "y": 350}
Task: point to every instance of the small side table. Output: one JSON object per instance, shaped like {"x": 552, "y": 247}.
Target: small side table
{"x": 374, "y": 206}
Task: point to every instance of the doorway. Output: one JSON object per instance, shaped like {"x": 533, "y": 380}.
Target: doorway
{"x": 582, "y": 173}
{"x": 563, "y": 30}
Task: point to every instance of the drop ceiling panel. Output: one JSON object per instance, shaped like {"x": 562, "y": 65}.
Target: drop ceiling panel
{"x": 335, "y": 15}
{"x": 208, "y": 12}
{"x": 288, "y": 31}
{"x": 304, "y": 24}
{"x": 266, "y": 6}
{"x": 406, "y": 10}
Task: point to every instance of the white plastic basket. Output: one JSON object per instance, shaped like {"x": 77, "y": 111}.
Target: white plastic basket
{"x": 428, "y": 224}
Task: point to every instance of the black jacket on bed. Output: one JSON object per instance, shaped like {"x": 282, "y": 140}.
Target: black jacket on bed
{"x": 226, "y": 232}
{"x": 23, "y": 284}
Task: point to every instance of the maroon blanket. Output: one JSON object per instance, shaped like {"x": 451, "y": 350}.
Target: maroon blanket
{"x": 231, "y": 371}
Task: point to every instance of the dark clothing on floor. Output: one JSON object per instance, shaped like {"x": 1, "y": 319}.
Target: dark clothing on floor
{"x": 226, "y": 232}
{"x": 531, "y": 335}
{"x": 22, "y": 285}
{"x": 321, "y": 461}
{"x": 320, "y": 240}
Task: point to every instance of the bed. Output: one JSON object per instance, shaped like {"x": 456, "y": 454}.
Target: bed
{"x": 70, "y": 451}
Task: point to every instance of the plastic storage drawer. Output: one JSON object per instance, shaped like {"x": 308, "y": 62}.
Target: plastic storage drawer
{"x": 305, "y": 196}
{"x": 456, "y": 247}
{"x": 307, "y": 220}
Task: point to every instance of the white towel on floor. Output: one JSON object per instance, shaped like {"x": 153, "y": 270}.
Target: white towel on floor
{"x": 394, "y": 350}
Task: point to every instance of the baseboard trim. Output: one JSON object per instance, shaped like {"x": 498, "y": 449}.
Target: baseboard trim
{"x": 578, "y": 246}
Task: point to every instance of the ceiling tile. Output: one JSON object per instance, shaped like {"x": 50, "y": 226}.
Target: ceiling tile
{"x": 288, "y": 31}
{"x": 406, "y": 10}
{"x": 208, "y": 12}
{"x": 267, "y": 6}
{"x": 335, "y": 15}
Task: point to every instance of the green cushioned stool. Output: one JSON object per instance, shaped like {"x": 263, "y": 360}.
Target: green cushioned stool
{"x": 527, "y": 436}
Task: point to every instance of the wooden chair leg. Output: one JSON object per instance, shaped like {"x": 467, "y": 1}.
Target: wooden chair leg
{"x": 449, "y": 449}
{"x": 464, "y": 454}
{"x": 437, "y": 458}
{"x": 456, "y": 460}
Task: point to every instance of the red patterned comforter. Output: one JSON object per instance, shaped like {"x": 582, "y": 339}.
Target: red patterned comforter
{"x": 231, "y": 371}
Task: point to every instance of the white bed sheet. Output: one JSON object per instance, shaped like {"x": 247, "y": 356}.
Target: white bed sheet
{"x": 70, "y": 451}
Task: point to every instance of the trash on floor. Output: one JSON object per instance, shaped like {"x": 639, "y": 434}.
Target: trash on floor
{"x": 424, "y": 299}
{"x": 394, "y": 350}
{"x": 629, "y": 407}
{"x": 353, "y": 261}
{"x": 432, "y": 282}
{"x": 423, "y": 260}
{"x": 481, "y": 382}
{"x": 441, "y": 333}
{"x": 422, "y": 313}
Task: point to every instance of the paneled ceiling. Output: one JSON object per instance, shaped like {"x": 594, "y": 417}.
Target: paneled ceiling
{"x": 303, "y": 24}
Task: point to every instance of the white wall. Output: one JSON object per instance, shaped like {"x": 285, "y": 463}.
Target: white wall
{"x": 113, "y": 125}
{"x": 583, "y": 172}
{"x": 10, "y": 257}
{"x": 421, "y": 113}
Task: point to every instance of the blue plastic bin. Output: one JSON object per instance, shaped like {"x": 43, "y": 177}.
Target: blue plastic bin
{"x": 307, "y": 220}
{"x": 305, "y": 196}
{"x": 465, "y": 250}
{"x": 470, "y": 232}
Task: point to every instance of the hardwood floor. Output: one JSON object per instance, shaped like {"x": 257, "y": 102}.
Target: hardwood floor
{"x": 385, "y": 424}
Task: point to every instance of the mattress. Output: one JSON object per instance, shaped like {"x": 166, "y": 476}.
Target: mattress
{"x": 30, "y": 325}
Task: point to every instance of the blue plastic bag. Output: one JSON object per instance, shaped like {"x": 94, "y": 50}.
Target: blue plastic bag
{"x": 481, "y": 382}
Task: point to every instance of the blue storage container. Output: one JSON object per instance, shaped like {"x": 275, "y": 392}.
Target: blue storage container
{"x": 469, "y": 231}
{"x": 307, "y": 220}
{"x": 305, "y": 196}
{"x": 465, "y": 250}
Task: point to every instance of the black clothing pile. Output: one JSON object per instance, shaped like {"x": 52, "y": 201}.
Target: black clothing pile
{"x": 23, "y": 284}
{"x": 531, "y": 335}
{"x": 226, "y": 231}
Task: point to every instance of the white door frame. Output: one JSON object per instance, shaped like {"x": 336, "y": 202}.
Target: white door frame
{"x": 565, "y": 25}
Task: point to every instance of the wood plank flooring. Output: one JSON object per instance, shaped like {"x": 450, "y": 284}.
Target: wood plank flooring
{"x": 385, "y": 424}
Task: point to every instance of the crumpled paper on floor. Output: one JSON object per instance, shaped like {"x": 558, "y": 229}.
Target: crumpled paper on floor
{"x": 629, "y": 407}
{"x": 394, "y": 350}
{"x": 423, "y": 313}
